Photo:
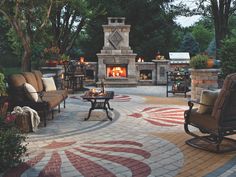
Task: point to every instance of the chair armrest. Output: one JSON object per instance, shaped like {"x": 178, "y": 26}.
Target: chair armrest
{"x": 198, "y": 102}
{"x": 191, "y": 104}
{"x": 41, "y": 93}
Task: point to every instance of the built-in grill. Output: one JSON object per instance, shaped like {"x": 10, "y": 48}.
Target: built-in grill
{"x": 179, "y": 59}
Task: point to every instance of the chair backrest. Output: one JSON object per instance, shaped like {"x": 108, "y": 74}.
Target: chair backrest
{"x": 38, "y": 76}
{"x": 31, "y": 79}
{"x": 16, "y": 87}
{"x": 225, "y": 106}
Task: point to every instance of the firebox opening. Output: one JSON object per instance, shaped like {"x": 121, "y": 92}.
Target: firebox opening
{"x": 145, "y": 75}
{"x": 116, "y": 71}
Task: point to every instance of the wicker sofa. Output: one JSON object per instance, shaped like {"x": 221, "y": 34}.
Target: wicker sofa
{"x": 48, "y": 100}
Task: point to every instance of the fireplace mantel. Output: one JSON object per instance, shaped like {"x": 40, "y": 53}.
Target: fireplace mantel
{"x": 121, "y": 61}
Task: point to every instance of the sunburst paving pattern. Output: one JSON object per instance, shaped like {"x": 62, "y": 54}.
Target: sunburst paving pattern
{"x": 121, "y": 98}
{"x": 88, "y": 159}
{"x": 161, "y": 116}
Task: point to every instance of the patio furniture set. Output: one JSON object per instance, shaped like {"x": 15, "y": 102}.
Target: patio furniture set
{"x": 32, "y": 90}
{"x": 41, "y": 99}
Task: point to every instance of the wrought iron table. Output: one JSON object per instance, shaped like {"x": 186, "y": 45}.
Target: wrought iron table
{"x": 99, "y": 101}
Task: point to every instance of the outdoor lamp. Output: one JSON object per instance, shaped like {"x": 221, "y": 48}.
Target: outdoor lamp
{"x": 158, "y": 57}
{"x": 81, "y": 60}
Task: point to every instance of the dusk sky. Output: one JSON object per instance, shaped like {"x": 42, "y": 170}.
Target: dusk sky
{"x": 187, "y": 21}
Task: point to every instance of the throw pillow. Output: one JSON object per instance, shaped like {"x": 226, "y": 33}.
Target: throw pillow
{"x": 31, "y": 92}
{"x": 208, "y": 97}
{"x": 49, "y": 84}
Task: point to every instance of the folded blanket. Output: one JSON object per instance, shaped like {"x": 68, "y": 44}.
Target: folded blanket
{"x": 35, "y": 119}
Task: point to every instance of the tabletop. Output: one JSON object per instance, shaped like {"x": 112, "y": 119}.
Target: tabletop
{"x": 98, "y": 95}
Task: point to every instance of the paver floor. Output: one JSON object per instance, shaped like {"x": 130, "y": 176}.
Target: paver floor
{"x": 145, "y": 138}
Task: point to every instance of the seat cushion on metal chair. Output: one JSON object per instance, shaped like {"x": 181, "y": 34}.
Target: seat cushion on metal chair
{"x": 202, "y": 120}
{"x": 64, "y": 93}
{"x": 52, "y": 99}
{"x": 208, "y": 97}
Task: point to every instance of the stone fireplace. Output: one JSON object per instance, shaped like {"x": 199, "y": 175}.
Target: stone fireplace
{"x": 116, "y": 62}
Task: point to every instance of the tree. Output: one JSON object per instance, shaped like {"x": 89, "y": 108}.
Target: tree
{"x": 211, "y": 50}
{"x": 202, "y": 35}
{"x": 68, "y": 18}
{"x": 27, "y": 18}
{"x": 152, "y": 26}
{"x": 7, "y": 57}
{"x": 219, "y": 11}
{"x": 228, "y": 54}
{"x": 189, "y": 44}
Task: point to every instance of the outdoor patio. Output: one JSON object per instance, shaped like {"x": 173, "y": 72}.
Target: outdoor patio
{"x": 117, "y": 88}
{"x": 145, "y": 138}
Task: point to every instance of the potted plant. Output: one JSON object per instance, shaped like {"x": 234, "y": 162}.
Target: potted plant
{"x": 199, "y": 62}
{"x": 51, "y": 56}
{"x": 64, "y": 59}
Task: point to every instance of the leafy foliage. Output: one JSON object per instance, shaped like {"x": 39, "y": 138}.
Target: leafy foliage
{"x": 2, "y": 85}
{"x": 228, "y": 55}
{"x": 189, "y": 44}
{"x": 202, "y": 35}
{"x": 199, "y": 61}
{"x": 67, "y": 19}
{"x": 7, "y": 56}
{"x": 26, "y": 18}
{"x": 211, "y": 50}
{"x": 220, "y": 11}
{"x": 12, "y": 143}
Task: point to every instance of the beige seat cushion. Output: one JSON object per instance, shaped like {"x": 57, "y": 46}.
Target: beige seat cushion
{"x": 31, "y": 92}
{"x": 64, "y": 93}
{"x": 52, "y": 99}
{"x": 49, "y": 84}
{"x": 208, "y": 97}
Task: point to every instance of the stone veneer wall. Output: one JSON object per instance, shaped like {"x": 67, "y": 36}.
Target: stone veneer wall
{"x": 203, "y": 79}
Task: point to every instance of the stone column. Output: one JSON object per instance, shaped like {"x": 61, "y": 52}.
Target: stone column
{"x": 202, "y": 79}
{"x": 162, "y": 66}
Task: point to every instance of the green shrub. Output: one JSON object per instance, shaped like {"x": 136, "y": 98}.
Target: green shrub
{"x": 12, "y": 143}
{"x": 199, "y": 62}
{"x": 3, "y": 90}
{"x": 228, "y": 56}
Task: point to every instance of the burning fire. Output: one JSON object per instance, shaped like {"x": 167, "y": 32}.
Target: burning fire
{"x": 115, "y": 71}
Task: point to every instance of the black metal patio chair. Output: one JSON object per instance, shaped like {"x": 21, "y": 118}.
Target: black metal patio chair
{"x": 215, "y": 126}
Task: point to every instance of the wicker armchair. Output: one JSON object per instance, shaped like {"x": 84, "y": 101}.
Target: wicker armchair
{"x": 216, "y": 125}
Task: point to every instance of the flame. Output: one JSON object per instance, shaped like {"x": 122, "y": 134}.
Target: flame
{"x": 116, "y": 71}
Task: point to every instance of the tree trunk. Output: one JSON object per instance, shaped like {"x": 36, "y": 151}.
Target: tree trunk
{"x": 25, "y": 39}
{"x": 25, "y": 63}
{"x": 220, "y": 13}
